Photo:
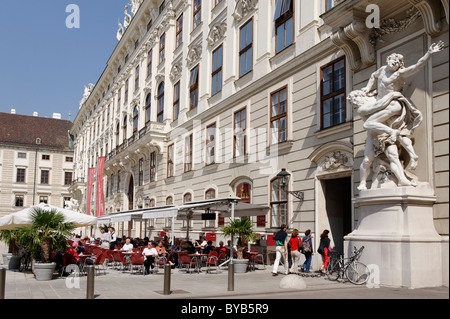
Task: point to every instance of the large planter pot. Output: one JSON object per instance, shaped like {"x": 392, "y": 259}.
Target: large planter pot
{"x": 14, "y": 262}
{"x": 5, "y": 258}
{"x": 240, "y": 265}
{"x": 44, "y": 272}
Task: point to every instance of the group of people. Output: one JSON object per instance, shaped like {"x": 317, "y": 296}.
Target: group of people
{"x": 290, "y": 249}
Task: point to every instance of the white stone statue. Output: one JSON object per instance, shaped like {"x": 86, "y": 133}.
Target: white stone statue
{"x": 135, "y": 4}
{"x": 389, "y": 117}
{"x": 120, "y": 32}
{"x": 71, "y": 204}
{"x": 127, "y": 19}
{"x": 87, "y": 92}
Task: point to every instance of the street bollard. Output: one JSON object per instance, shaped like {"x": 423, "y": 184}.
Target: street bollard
{"x": 2, "y": 282}
{"x": 167, "y": 274}
{"x": 230, "y": 276}
{"x": 90, "y": 282}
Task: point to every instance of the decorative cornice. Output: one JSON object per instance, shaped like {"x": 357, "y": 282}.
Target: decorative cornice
{"x": 243, "y": 9}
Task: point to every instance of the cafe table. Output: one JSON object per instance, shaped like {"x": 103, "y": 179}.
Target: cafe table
{"x": 199, "y": 258}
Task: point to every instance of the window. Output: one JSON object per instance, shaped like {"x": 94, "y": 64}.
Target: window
{"x": 210, "y": 194}
{"x": 43, "y": 199}
{"x": 67, "y": 178}
{"x": 169, "y": 201}
{"x": 216, "y": 2}
{"x": 162, "y": 6}
{"x": 246, "y": 48}
{"x": 278, "y": 204}
{"x": 217, "y": 71}
{"x": 176, "y": 101}
{"x": 112, "y": 184}
{"x": 46, "y": 157}
{"x": 332, "y": 95}
{"x": 160, "y": 115}
{"x": 239, "y": 133}
{"x": 117, "y": 134}
{"x": 170, "y": 162}
{"x": 69, "y": 159}
{"x": 20, "y": 175}
{"x": 197, "y": 13}
{"x": 135, "y": 119}
{"x": 162, "y": 47}
{"x": 152, "y": 166}
{"x": 193, "y": 88}
{"x": 179, "y": 39}
{"x": 149, "y": 63}
{"x": 284, "y": 24}
{"x": 148, "y": 107}
{"x": 187, "y": 198}
{"x": 18, "y": 202}
{"x": 119, "y": 98}
{"x": 124, "y": 129}
{"x": 21, "y": 155}
{"x": 126, "y": 90}
{"x": 141, "y": 172}
{"x": 118, "y": 181}
{"x": 136, "y": 79}
{"x": 210, "y": 144}
{"x": 188, "y": 153}
{"x": 278, "y": 118}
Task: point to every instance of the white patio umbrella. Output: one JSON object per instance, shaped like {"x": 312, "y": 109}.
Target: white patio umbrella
{"x": 23, "y": 218}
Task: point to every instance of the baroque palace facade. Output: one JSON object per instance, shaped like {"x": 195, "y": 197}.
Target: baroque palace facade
{"x": 211, "y": 99}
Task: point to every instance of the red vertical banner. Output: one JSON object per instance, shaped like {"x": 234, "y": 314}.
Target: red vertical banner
{"x": 91, "y": 174}
{"x": 100, "y": 198}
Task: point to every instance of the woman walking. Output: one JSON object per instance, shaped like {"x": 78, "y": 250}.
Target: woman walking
{"x": 324, "y": 250}
{"x": 296, "y": 246}
{"x": 307, "y": 251}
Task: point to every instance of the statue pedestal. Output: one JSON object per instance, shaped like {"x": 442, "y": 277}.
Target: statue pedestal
{"x": 396, "y": 227}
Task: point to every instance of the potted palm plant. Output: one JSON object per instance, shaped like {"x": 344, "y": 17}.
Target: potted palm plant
{"x": 11, "y": 258}
{"x": 243, "y": 229}
{"x": 48, "y": 232}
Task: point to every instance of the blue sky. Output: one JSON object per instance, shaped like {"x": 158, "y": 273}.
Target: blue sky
{"x": 43, "y": 64}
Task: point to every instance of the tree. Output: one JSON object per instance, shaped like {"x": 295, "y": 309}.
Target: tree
{"x": 243, "y": 228}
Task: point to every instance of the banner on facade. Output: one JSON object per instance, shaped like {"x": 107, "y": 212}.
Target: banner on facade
{"x": 100, "y": 198}
{"x": 91, "y": 174}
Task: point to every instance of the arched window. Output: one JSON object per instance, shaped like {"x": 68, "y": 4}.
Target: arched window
{"x": 187, "y": 198}
{"x": 160, "y": 115}
{"x": 117, "y": 134}
{"x": 135, "y": 119}
{"x": 148, "y": 105}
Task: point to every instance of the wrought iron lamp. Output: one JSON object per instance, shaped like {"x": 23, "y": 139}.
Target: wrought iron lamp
{"x": 283, "y": 180}
{"x": 147, "y": 201}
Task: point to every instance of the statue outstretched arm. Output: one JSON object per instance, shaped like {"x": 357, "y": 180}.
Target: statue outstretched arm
{"x": 434, "y": 48}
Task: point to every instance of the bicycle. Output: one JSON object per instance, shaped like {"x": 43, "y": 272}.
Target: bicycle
{"x": 25, "y": 261}
{"x": 355, "y": 271}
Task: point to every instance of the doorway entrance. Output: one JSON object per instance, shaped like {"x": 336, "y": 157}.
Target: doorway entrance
{"x": 338, "y": 207}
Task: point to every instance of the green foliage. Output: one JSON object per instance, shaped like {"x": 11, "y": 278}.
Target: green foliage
{"x": 47, "y": 233}
{"x": 10, "y": 238}
{"x": 243, "y": 228}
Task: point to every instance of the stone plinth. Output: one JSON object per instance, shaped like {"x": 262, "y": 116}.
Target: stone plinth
{"x": 396, "y": 227}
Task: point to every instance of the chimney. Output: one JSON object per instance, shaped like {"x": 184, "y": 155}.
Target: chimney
{"x": 13, "y": 111}
{"x": 57, "y": 116}
{"x": 35, "y": 113}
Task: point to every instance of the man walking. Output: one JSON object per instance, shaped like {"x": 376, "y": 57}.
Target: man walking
{"x": 281, "y": 250}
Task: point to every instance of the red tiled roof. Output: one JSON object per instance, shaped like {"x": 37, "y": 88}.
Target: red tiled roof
{"x": 23, "y": 130}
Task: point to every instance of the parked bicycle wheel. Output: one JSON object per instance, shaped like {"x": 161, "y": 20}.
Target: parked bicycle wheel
{"x": 357, "y": 273}
{"x": 334, "y": 269}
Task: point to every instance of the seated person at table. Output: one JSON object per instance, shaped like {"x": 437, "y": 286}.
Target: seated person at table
{"x": 221, "y": 247}
{"x": 188, "y": 248}
{"x": 202, "y": 245}
{"x": 209, "y": 248}
{"x": 81, "y": 248}
{"x": 149, "y": 253}
{"x": 161, "y": 249}
{"x": 128, "y": 245}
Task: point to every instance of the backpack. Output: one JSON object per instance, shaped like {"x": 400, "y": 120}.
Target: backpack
{"x": 306, "y": 246}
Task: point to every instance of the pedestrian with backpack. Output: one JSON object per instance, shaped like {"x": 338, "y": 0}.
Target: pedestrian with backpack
{"x": 325, "y": 250}
{"x": 307, "y": 251}
{"x": 296, "y": 247}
